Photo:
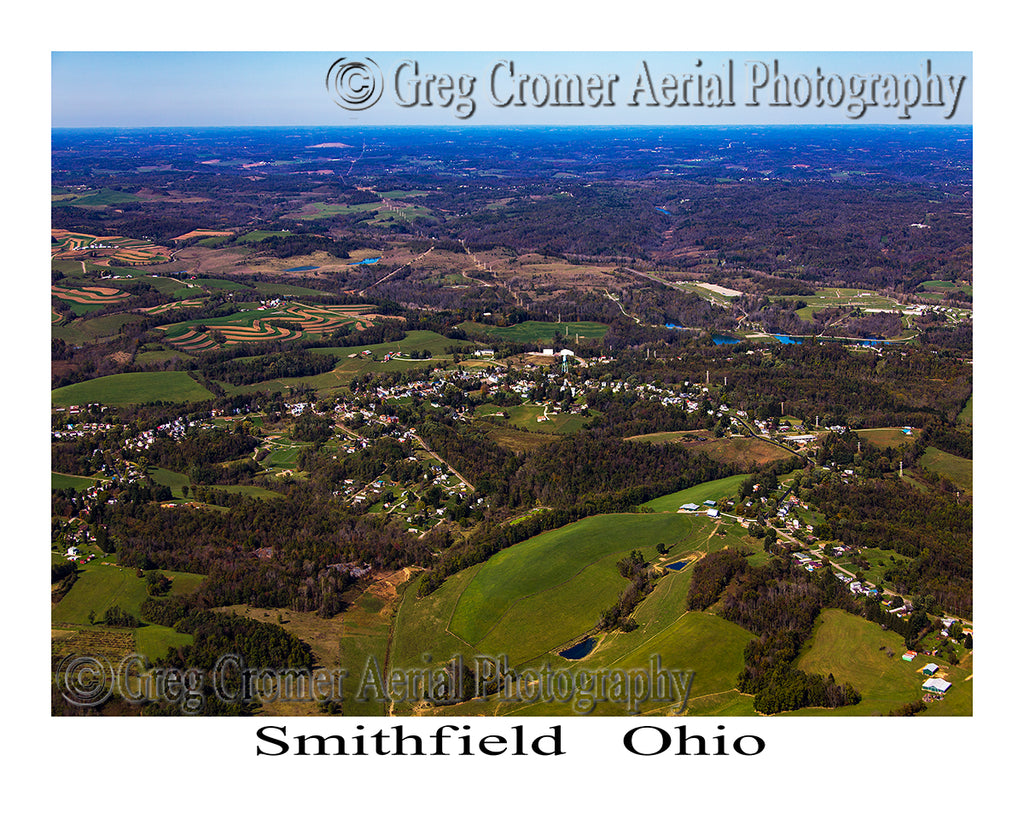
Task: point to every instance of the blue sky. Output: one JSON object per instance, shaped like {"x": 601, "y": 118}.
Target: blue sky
{"x": 132, "y": 89}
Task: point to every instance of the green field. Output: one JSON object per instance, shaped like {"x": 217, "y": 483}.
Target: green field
{"x": 86, "y": 329}
{"x": 421, "y": 624}
{"x": 220, "y": 284}
{"x": 271, "y": 289}
{"x": 959, "y": 470}
{"x": 540, "y": 594}
{"x": 160, "y": 356}
{"x": 352, "y": 361}
{"x": 260, "y": 235}
{"x": 131, "y": 388}
{"x": 843, "y": 297}
{"x": 102, "y": 586}
{"x": 59, "y": 480}
{"x": 679, "y": 436}
{"x": 856, "y": 651}
{"x": 887, "y": 437}
{"x": 535, "y": 331}
{"x": 712, "y": 490}
{"x": 944, "y": 287}
{"x": 528, "y": 417}
{"x": 214, "y": 241}
{"x": 322, "y": 210}
{"x": 535, "y": 598}
{"x": 153, "y": 642}
{"x": 966, "y": 415}
{"x": 401, "y": 194}
{"x": 175, "y": 481}
{"x": 543, "y": 594}
{"x": 878, "y": 560}
{"x": 366, "y": 626}
{"x": 98, "y": 198}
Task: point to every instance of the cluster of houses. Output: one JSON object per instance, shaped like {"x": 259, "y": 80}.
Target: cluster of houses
{"x": 933, "y": 685}
{"x": 809, "y": 563}
{"x": 75, "y": 555}
{"x": 711, "y": 511}
{"x": 176, "y": 429}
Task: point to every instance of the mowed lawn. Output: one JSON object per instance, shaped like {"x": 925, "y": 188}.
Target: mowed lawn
{"x": 131, "y": 388}
{"x": 546, "y": 591}
{"x": 959, "y": 470}
{"x": 856, "y": 651}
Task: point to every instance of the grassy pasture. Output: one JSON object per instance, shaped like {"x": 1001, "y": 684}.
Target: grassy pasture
{"x": 712, "y": 490}
{"x": 153, "y": 642}
{"x": 712, "y": 647}
{"x": 677, "y": 437}
{"x": 131, "y": 388}
{"x": 959, "y": 470}
{"x": 271, "y": 289}
{"x": 220, "y": 284}
{"x": 348, "y": 640}
{"x": 414, "y": 341}
{"x": 401, "y": 194}
{"x": 517, "y": 440}
{"x": 855, "y": 650}
{"x": 97, "y": 198}
{"x": 86, "y": 329}
{"x": 59, "y": 480}
{"x": 259, "y": 235}
{"x": 102, "y": 586}
{"x": 214, "y": 241}
{"x": 887, "y": 437}
{"x": 966, "y": 415}
{"x": 539, "y": 594}
{"x": 537, "y": 331}
{"x": 943, "y": 287}
{"x": 421, "y": 624}
{"x": 385, "y": 212}
{"x": 527, "y": 417}
{"x": 741, "y": 452}
{"x": 878, "y": 560}
{"x": 175, "y": 481}
{"x": 160, "y": 356}
{"x": 843, "y": 297}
